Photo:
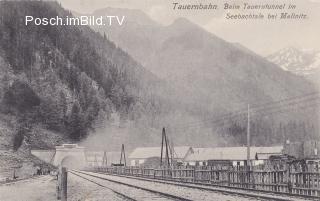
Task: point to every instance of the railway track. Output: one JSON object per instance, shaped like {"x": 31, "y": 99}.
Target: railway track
{"x": 175, "y": 192}
{"x": 239, "y": 193}
{"x": 128, "y": 191}
{"x": 225, "y": 190}
{"x": 116, "y": 192}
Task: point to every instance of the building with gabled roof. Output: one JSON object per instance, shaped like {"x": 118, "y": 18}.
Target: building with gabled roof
{"x": 139, "y": 155}
{"x": 229, "y": 155}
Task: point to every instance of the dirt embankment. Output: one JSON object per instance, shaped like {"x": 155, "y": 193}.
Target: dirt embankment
{"x": 21, "y": 163}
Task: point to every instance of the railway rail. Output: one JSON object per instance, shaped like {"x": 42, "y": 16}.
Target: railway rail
{"x": 92, "y": 181}
{"x": 123, "y": 189}
{"x": 264, "y": 195}
{"x": 185, "y": 191}
{"x": 278, "y": 182}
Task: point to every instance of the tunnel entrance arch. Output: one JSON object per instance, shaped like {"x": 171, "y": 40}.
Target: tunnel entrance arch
{"x": 70, "y": 156}
{"x": 71, "y": 162}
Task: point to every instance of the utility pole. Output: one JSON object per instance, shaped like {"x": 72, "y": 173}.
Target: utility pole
{"x": 171, "y": 151}
{"x": 248, "y": 137}
{"x": 164, "y": 141}
{"x": 123, "y": 153}
{"x": 96, "y": 164}
{"x": 167, "y": 151}
{"x": 162, "y": 138}
{"x": 104, "y": 160}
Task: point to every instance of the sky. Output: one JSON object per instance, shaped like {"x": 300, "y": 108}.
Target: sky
{"x": 264, "y": 37}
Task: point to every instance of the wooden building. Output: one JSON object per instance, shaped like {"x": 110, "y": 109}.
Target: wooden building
{"x": 235, "y": 156}
{"x": 303, "y": 150}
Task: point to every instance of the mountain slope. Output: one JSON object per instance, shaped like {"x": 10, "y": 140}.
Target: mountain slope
{"x": 204, "y": 64}
{"x": 68, "y": 80}
{"x": 301, "y": 62}
{"x": 215, "y": 77}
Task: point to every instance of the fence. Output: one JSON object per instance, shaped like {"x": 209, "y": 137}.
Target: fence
{"x": 291, "y": 180}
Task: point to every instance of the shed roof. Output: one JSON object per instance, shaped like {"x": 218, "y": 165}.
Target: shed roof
{"x": 266, "y": 156}
{"x": 148, "y": 152}
{"x": 112, "y": 157}
{"x": 229, "y": 153}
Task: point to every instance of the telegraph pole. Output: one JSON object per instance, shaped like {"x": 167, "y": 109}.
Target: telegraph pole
{"x": 163, "y": 132}
{"x": 164, "y": 142}
{"x": 167, "y": 150}
{"x": 248, "y": 137}
{"x": 104, "y": 160}
{"x": 123, "y": 156}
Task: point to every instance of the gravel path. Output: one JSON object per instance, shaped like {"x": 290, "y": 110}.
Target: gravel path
{"x": 43, "y": 188}
{"x": 34, "y": 189}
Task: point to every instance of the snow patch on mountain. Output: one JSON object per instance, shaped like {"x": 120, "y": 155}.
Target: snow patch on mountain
{"x": 302, "y": 62}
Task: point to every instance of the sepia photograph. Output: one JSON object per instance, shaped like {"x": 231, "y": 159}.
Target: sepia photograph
{"x": 142, "y": 100}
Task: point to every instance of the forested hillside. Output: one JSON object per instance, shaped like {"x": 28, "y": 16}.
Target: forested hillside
{"x": 65, "y": 80}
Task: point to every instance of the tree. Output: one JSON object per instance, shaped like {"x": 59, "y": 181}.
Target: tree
{"x": 92, "y": 113}
{"x": 63, "y": 103}
{"x": 75, "y": 123}
{"x": 18, "y": 139}
{"x": 21, "y": 96}
{"x": 50, "y": 114}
